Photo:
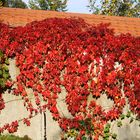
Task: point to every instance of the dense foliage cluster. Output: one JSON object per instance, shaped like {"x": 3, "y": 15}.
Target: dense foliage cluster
{"x": 82, "y": 59}
{"x": 13, "y": 3}
{"x": 54, "y": 5}
{"x": 129, "y": 8}
{"x": 4, "y": 71}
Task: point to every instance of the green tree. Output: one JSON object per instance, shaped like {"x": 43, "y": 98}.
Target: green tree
{"x": 2, "y": 2}
{"x": 17, "y": 4}
{"x": 14, "y": 4}
{"x": 54, "y": 5}
{"x": 129, "y": 8}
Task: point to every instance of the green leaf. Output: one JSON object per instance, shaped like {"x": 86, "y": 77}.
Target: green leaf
{"x": 119, "y": 123}
{"x": 1, "y": 54}
{"x": 0, "y": 72}
{"x": 6, "y": 62}
{"x": 88, "y": 131}
{"x": 106, "y": 136}
{"x": 5, "y": 68}
{"x": 82, "y": 123}
{"x": 2, "y": 83}
{"x": 92, "y": 127}
{"x": 106, "y": 130}
{"x": 107, "y": 127}
{"x": 5, "y": 75}
{"x": 122, "y": 116}
{"x": 114, "y": 136}
{"x": 84, "y": 138}
{"x": 128, "y": 115}
{"x": 131, "y": 120}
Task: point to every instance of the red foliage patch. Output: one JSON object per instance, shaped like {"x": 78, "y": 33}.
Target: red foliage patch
{"x": 84, "y": 59}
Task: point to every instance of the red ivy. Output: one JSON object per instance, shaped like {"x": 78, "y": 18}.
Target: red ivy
{"x": 84, "y": 60}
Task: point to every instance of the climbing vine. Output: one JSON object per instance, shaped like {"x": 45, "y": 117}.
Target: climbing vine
{"x": 4, "y": 71}
{"x": 4, "y": 77}
{"x": 84, "y": 60}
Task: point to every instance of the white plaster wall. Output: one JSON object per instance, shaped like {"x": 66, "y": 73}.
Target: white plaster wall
{"x": 15, "y": 110}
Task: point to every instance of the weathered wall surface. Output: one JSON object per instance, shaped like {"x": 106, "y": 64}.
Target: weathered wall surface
{"x": 15, "y": 110}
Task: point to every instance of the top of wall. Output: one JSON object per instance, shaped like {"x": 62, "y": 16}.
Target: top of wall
{"x": 20, "y": 17}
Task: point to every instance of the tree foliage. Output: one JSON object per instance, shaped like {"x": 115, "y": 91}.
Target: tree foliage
{"x": 129, "y": 8}
{"x": 55, "y": 5}
{"x": 14, "y": 4}
{"x": 2, "y": 2}
{"x": 17, "y": 4}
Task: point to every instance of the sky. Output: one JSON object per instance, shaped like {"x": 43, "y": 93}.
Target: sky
{"x": 75, "y": 6}
{"x": 78, "y": 6}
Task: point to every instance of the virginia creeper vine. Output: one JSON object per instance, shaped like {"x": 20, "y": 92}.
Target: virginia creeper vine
{"x": 83, "y": 59}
